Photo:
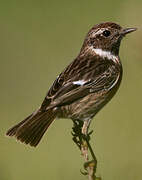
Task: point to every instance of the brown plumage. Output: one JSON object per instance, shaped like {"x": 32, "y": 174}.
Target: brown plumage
{"x": 83, "y": 88}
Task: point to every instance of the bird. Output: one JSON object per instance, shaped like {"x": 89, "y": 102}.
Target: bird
{"x": 83, "y": 88}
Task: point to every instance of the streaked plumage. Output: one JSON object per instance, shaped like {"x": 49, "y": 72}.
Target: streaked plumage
{"x": 83, "y": 88}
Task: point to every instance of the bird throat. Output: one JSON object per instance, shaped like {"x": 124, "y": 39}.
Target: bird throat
{"x": 105, "y": 54}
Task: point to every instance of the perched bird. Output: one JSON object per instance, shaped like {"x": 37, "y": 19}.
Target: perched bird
{"x": 83, "y": 88}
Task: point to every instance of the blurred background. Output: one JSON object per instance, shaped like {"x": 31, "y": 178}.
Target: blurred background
{"x": 38, "y": 39}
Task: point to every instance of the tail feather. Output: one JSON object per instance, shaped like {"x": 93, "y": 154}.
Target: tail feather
{"x": 31, "y": 129}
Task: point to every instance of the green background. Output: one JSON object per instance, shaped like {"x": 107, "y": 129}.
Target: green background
{"x": 37, "y": 40}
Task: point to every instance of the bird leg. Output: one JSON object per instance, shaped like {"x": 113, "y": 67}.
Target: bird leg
{"x": 85, "y": 127}
{"x": 81, "y": 137}
{"x": 84, "y": 146}
{"x": 90, "y": 166}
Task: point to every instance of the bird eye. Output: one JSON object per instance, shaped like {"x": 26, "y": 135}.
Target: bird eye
{"x": 106, "y": 33}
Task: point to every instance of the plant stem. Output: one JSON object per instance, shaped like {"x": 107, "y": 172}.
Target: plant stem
{"x": 81, "y": 137}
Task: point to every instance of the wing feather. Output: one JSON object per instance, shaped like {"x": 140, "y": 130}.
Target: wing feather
{"x": 98, "y": 76}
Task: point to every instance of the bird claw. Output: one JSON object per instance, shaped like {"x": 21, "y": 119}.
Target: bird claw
{"x": 87, "y": 137}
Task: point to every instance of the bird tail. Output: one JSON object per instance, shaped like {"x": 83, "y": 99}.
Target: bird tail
{"x": 31, "y": 129}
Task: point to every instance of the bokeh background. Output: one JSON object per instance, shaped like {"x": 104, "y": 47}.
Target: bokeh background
{"x": 37, "y": 40}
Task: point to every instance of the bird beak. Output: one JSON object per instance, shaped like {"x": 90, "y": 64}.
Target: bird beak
{"x": 127, "y": 30}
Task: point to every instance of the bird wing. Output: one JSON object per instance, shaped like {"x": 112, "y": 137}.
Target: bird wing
{"x": 87, "y": 78}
